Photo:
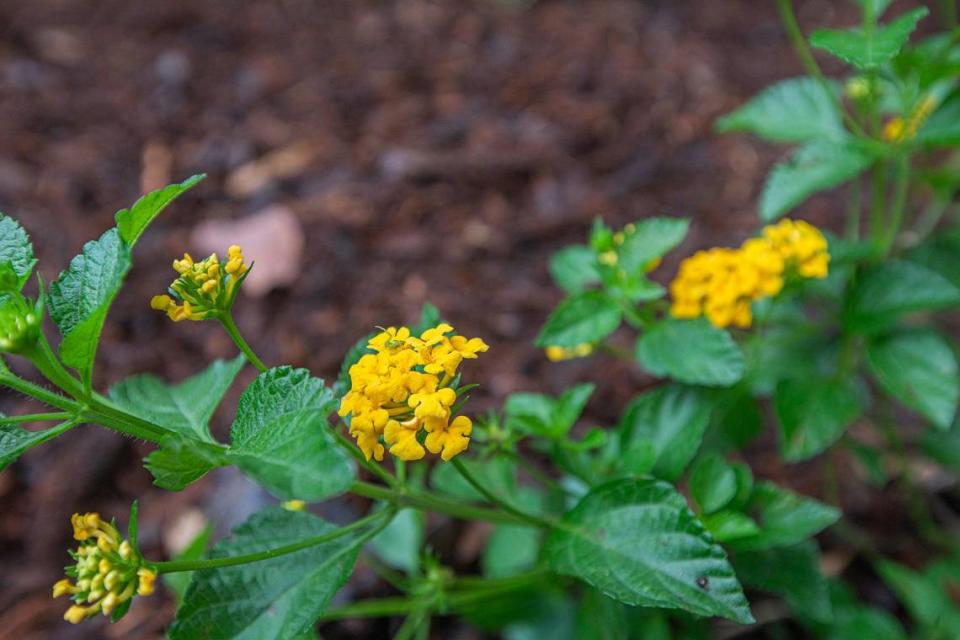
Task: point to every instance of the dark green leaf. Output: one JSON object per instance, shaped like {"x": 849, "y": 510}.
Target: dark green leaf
{"x": 81, "y": 297}
{"x": 179, "y": 462}
{"x": 814, "y": 413}
{"x": 186, "y": 407}
{"x": 276, "y": 598}
{"x": 814, "y": 167}
{"x": 673, "y": 418}
{"x": 574, "y": 268}
{"x": 282, "y": 438}
{"x": 15, "y": 249}
{"x": 583, "y": 318}
{"x": 892, "y": 289}
{"x": 785, "y": 518}
{"x": 870, "y": 48}
{"x": 918, "y": 368}
{"x": 637, "y": 542}
{"x": 650, "y": 239}
{"x": 792, "y": 573}
{"x": 712, "y": 483}
{"x": 795, "y": 110}
{"x": 134, "y": 221}
{"x": 691, "y": 351}
{"x": 534, "y": 413}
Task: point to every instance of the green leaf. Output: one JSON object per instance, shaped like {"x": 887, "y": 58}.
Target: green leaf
{"x": 534, "y": 413}
{"x": 795, "y": 110}
{"x": 918, "y": 368}
{"x": 673, "y": 418}
{"x": 713, "y": 483}
{"x": 15, "y": 249}
{"x": 513, "y": 549}
{"x": 574, "y": 268}
{"x": 429, "y": 318}
{"x": 498, "y": 475}
{"x": 400, "y": 543}
{"x": 865, "y": 622}
{"x": 651, "y": 238}
{"x": 178, "y": 581}
{"x": 927, "y": 602}
{"x": 582, "y": 318}
{"x": 792, "y": 573}
{"x": 892, "y": 289}
{"x": 15, "y": 441}
{"x": 637, "y": 542}
{"x": 942, "y": 128}
{"x": 785, "y": 518}
{"x": 276, "y": 598}
{"x": 868, "y": 49}
{"x": 186, "y": 407}
{"x": 179, "y": 462}
{"x": 134, "y": 221}
{"x": 814, "y": 167}
{"x": 691, "y": 351}
{"x": 282, "y": 438}
{"x": 725, "y": 525}
{"x": 81, "y": 297}
{"x": 814, "y": 413}
{"x": 938, "y": 253}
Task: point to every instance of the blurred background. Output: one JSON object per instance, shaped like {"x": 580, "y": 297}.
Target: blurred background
{"x": 369, "y": 156}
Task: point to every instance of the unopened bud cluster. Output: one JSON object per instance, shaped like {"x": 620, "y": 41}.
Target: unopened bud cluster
{"x": 205, "y": 289}
{"x": 19, "y": 323}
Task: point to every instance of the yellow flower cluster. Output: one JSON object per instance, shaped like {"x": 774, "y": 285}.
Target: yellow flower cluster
{"x": 206, "y": 288}
{"x": 107, "y": 573}
{"x": 901, "y": 129}
{"x": 722, "y": 283}
{"x": 405, "y": 386}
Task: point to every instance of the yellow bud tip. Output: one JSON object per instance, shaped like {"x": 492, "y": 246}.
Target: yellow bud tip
{"x": 63, "y": 587}
{"x": 294, "y": 505}
{"x": 75, "y": 614}
{"x": 147, "y": 578}
{"x": 161, "y": 303}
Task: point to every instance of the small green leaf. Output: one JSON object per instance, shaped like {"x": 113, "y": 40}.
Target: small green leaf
{"x": 924, "y": 598}
{"x": 534, "y": 413}
{"x": 671, "y": 417}
{"x": 814, "y": 413}
{"x": 282, "y": 438}
{"x": 81, "y": 297}
{"x": 713, "y": 483}
{"x": 725, "y": 526}
{"x": 582, "y": 318}
{"x": 574, "y": 268}
{"x": 186, "y": 407}
{"x": 870, "y": 48}
{"x": 429, "y": 318}
{"x": 179, "y": 462}
{"x": 637, "y": 542}
{"x": 15, "y": 441}
{"x": 15, "y": 249}
{"x": 785, "y": 518}
{"x": 651, "y": 239}
{"x": 134, "y": 221}
{"x": 792, "y": 573}
{"x": 814, "y": 167}
{"x": 691, "y": 351}
{"x": 894, "y": 288}
{"x": 276, "y": 598}
{"x": 795, "y": 110}
{"x": 918, "y": 368}
{"x": 400, "y": 543}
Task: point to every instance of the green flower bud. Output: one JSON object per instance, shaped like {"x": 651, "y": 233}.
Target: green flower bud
{"x": 19, "y": 324}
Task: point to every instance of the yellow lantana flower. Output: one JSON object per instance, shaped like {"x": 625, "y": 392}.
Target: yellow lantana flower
{"x": 206, "y": 289}
{"x": 403, "y": 389}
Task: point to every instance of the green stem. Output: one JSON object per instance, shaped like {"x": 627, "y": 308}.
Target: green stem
{"x": 535, "y": 472}
{"x": 39, "y": 393}
{"x": 404, "y": 497}
{"x": 877, "y": 230}
{"x": 231, "y": 327}
{"x": 35, "y": 417}
{"x": 173, "y": 566}
{"x": 799, "y": 43}
{"x": 901, "y": 189}
{"x": 493, "y": 499}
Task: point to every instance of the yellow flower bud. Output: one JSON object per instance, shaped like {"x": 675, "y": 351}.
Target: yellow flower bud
{"x": 76, "y": 614}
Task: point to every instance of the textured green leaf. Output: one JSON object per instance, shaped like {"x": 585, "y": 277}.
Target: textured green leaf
{"x": 795, "y": 110}
{"x": 637, "y": 542}
{"x": 792, "y": 573}
{"x": 276, "y": 598}
{"x": 582, "y": 318}
{"x": 785, "y": 518}
{"x": 81, "y": 297}
{"x": 282, "y": 438}
{"x": 134, "y": 221}
{"x": 15, "y": 248}
{"x": 814, "y": 167}
{"x": 15, "y": 441}
{"x": 814, "y": 413}
{"x": 671, "y": 417}
{"x": 691, "y": 351}
{"x": 713, "y": 483}
{"x": 399, "y": 545}
{"x": 574, "y": 268}
{"x": 535, "y": 413}
{"x": 869, "y": 48}
{"x": 894, "y": 288}
{"x": 651, "y": 238}
{"x": 186, "y": 407}
{"x": 919, "y": 369}
{"x": 179, "y": 462}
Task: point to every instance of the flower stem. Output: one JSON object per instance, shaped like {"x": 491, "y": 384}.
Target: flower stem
{"x": 901, "y": 189}
{"x": 35, "y": 417}
{"x": 455, "y": 508}
{"x": 173, "y": 566}
{"x": 493, "y": 499}
{"x": 226, "y": 320}
{"x": 39, "y": 393}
